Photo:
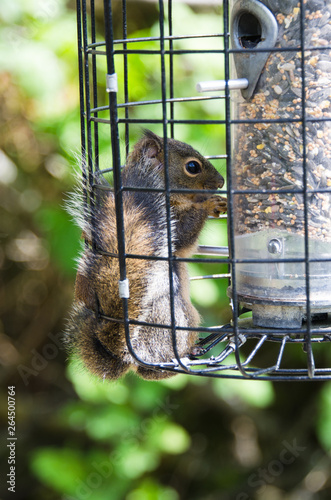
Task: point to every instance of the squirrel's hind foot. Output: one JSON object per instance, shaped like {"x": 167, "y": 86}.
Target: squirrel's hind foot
{"x": 157, "y": 374}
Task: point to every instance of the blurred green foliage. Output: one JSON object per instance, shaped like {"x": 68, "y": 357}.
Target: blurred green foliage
{"x": 79, "y": 438}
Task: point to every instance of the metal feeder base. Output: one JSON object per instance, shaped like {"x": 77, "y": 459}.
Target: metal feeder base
{"x": 285, "y": 316}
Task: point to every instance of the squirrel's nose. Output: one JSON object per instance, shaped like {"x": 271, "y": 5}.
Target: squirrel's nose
{"x": 214, "y": 185}
{"x": 215, "y": 182}
{"x": 221, "y": 182}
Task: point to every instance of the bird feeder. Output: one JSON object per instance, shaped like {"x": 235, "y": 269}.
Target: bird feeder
{"x": 277, "y": 120}
{"x": 281, "y": 167}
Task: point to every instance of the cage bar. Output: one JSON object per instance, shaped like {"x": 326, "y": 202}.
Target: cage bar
{"x": 278, "y": 169}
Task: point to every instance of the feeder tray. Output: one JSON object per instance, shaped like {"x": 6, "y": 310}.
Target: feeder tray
{"x": 276, "y": 96}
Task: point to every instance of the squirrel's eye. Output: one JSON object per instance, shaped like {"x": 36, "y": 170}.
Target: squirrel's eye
{"x": 193, "y": 167}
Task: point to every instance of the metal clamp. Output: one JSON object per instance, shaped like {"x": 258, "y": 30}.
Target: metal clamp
{"x": 111, "y": 83}
{"x": 123, "y": 287}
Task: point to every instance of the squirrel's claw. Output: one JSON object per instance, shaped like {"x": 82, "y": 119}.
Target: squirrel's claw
{"x": 216, "y": 205}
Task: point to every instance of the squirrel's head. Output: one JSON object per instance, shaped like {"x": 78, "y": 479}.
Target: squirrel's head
{"x": 187, "y": 168}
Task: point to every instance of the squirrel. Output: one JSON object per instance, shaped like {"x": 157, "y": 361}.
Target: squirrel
{"x": 101, "y": 343}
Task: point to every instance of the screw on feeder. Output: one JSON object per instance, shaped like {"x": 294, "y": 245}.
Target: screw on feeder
{"x": 275, "y": 246}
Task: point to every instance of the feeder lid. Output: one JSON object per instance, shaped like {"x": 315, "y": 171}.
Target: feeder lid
{"x": 253, "y": 27}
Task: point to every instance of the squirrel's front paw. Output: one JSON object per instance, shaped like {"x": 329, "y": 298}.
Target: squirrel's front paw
{"x": 216, "y": 205}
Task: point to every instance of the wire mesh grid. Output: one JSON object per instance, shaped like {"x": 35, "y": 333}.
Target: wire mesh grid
{"x": 239, "y": 349}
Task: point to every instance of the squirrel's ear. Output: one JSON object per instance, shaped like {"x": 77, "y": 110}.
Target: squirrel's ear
{"x": 152, "y": 144}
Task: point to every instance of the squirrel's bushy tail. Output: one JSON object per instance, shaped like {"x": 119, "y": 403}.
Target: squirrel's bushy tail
{"x": 93, "y": 332}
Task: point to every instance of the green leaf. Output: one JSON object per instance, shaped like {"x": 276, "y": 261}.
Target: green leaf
{"x": 94, "y": 390}
{"x": 59, "y": 468}
{"x": 323, "y": 427}
{"x": 139, "y": 461}
{"x": 150, "y": 490}
{"x": 62, "y": 235}
{"x": 253, "y": 392}
{"x": 173, "y": 439}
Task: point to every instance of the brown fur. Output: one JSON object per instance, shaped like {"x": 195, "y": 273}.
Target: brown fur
{"x": 93, "y": 332}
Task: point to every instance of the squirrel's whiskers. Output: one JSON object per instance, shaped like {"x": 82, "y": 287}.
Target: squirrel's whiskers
{"x": 100, "y": 342}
